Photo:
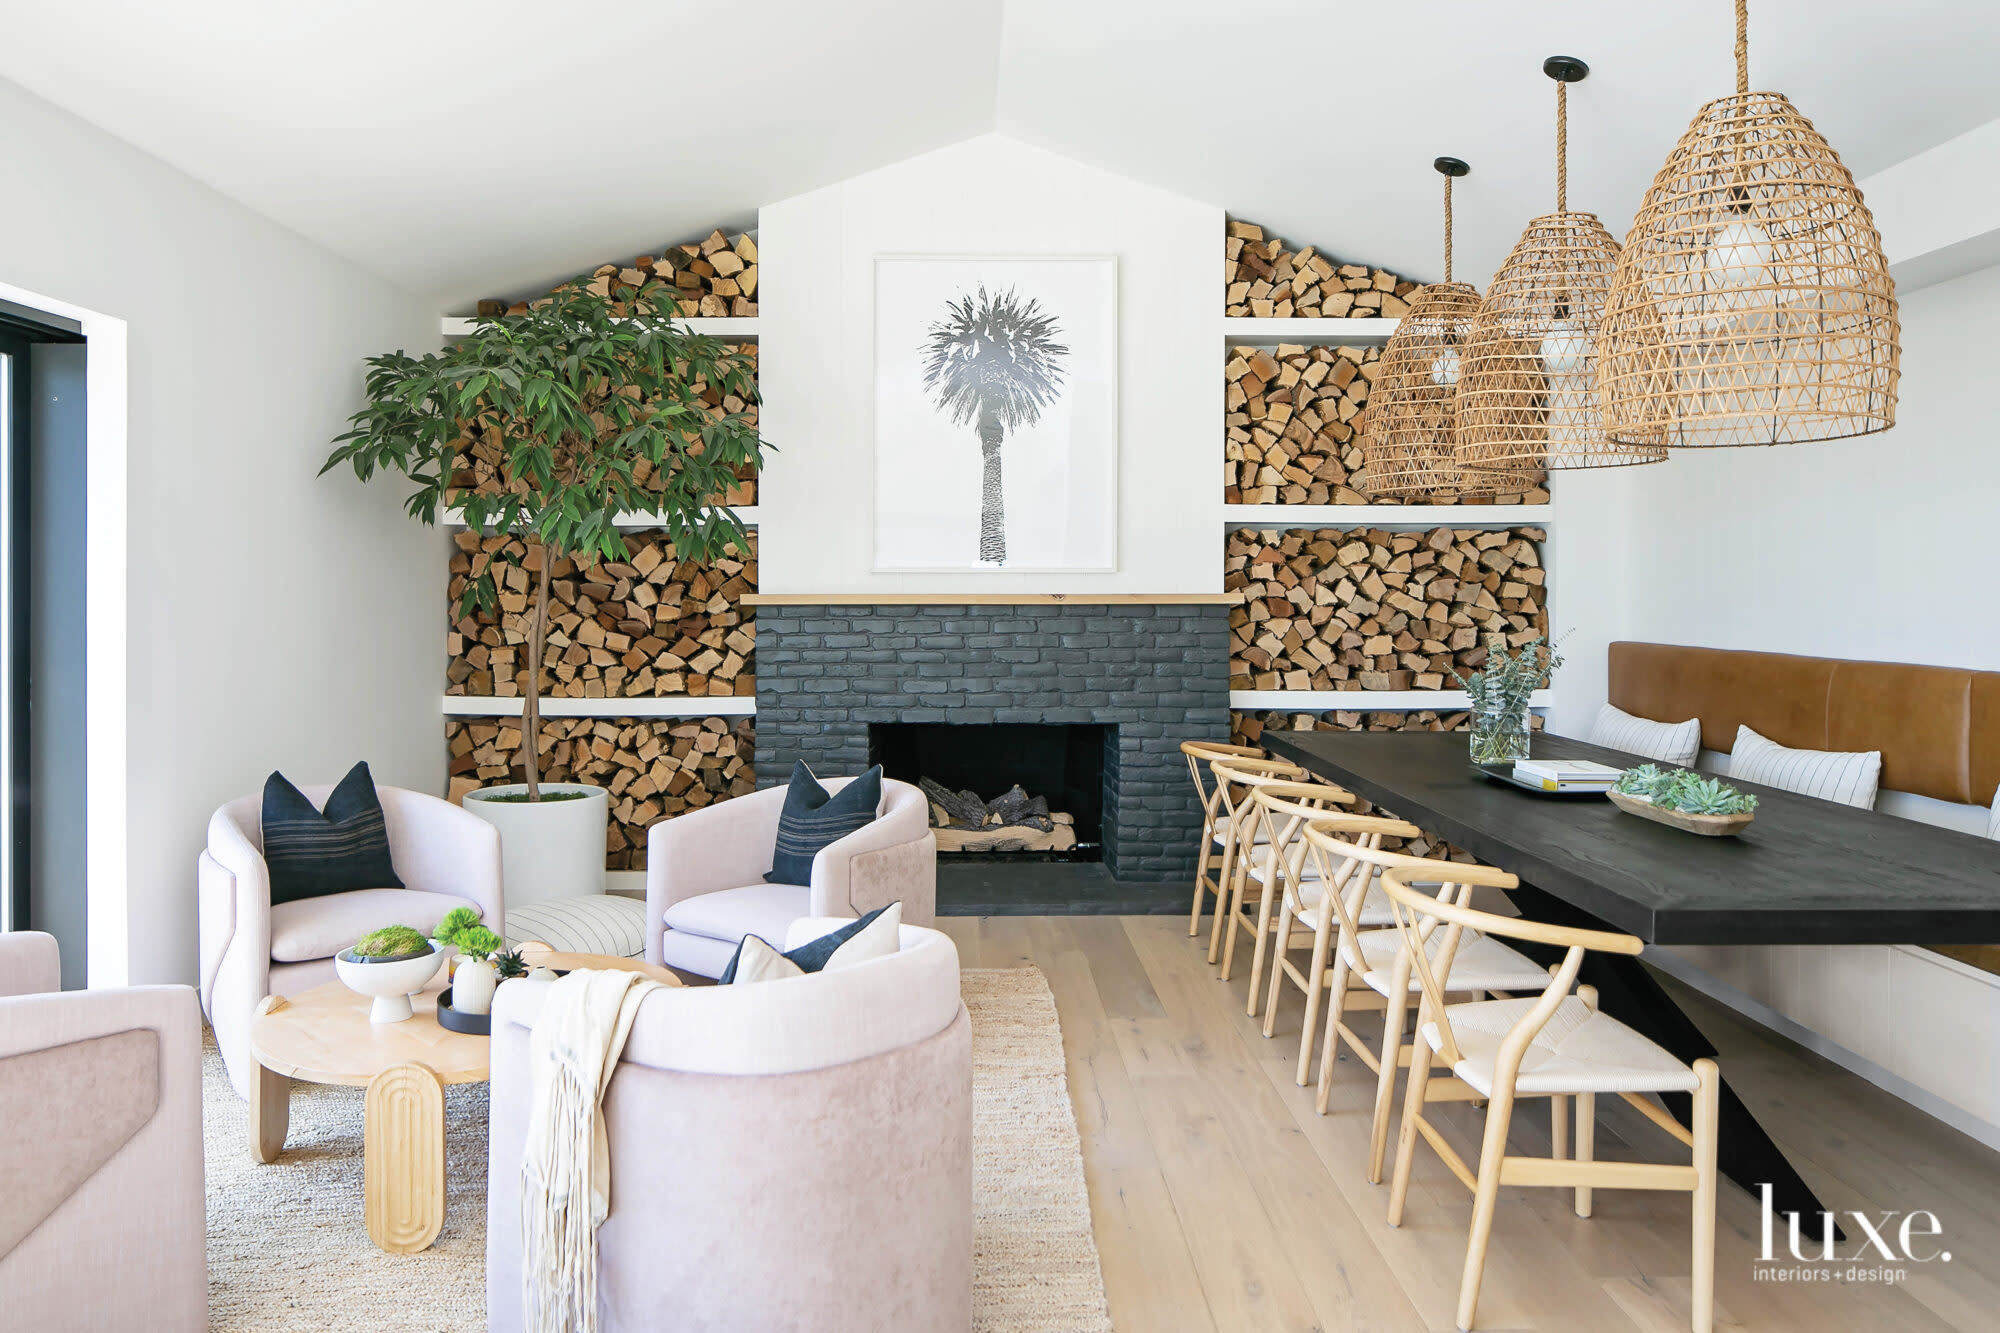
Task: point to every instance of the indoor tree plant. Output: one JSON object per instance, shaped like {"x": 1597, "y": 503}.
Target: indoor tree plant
{"x": 545, "y": 426}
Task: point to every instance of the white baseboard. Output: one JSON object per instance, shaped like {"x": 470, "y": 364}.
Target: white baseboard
{"x": 629, "y": 882}
{"x": 1928, "y": 1102}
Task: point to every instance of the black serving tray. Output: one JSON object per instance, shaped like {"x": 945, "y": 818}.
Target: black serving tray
{"x": 1505, "y": 773}
{"x": 473, "y": 1025}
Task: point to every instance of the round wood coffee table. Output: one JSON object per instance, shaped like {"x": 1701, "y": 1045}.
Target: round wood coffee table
{"x": 324, "y": 1036}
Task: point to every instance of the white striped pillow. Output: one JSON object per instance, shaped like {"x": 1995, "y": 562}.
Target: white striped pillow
{"x": 1993, "y": 820}
{"x": 1849, "y": 777}
{"x": 1669, "y": 742}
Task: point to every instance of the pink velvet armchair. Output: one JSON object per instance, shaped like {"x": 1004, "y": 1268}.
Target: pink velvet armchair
{"x": 445, "y": 857}
{"x": 793, "y": 1154}
{"x": 102, "y": 1223}
{"x": 705, "y": 886}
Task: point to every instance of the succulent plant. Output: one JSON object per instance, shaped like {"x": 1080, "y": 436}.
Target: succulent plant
{"x": 1685, "y": 790}
{"x": 510, "y": 963}
{"x": 390, "y": 942}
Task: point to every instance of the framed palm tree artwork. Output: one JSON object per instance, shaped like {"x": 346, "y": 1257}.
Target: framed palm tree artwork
{"x": 996, "y": 432}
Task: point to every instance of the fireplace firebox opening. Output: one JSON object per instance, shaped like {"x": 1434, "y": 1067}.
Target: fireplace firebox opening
{"x": 1004, "y": 790}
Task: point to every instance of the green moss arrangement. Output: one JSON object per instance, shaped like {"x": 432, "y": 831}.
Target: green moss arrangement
{"x": 1685, "y": 790}
{"x": 390, "y": 943}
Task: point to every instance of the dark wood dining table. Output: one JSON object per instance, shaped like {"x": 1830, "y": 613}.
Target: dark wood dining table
{"x": 1804, "y": 871}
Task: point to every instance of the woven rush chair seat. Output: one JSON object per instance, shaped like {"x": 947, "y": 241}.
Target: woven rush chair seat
{"x": 1479, "y": 964}
{"x": 1578, "y": 1050}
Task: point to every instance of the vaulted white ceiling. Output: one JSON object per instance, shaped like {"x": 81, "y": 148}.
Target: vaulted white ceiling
{"x": 473, "y": 147}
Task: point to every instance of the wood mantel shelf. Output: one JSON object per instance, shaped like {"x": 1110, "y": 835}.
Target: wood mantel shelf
{"x": 992, "y": 598}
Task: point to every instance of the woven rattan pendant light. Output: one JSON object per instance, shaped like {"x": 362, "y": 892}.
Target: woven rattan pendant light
{"x": 1752, "y": 303}
{"x": 1412, "y": 444}
{"x": 1527, "y": 401}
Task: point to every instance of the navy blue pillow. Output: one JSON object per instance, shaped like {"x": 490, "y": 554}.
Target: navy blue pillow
{"x": 311, "y": 853}
{"x": 812, "y": 955}
{"x": 814, "y": 817}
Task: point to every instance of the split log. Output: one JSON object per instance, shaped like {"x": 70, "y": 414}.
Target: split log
{"x": 1370, "y": 609}
{"x": 1059, "y": 836}
{"x": 1265, "y": 279}
{"x": 714, "y": 276}
{"x": 650, "y": 626}
{"x": 1292, "y": 434}
{"x": 961, "y": 809}
{"x": 654, "y": 768}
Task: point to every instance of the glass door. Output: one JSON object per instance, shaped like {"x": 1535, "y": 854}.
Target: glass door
{"x": 13, "y": 626}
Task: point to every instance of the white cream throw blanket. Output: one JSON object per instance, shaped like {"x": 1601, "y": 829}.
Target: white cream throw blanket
{"x": 566, "y": 1166}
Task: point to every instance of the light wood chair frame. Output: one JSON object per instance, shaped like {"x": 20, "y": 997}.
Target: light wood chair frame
{"x": 1302, "y": 789}
{"x": 1455, "y": 881}
{"x": 1338, "y": 906}
{"x": 1234, "y": 779}
{"x": 1207, "y": 858}
{"x": 1411, "y": 907}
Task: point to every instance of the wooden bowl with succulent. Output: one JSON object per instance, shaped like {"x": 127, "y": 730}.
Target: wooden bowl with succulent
{"x": 1684, "y": 799}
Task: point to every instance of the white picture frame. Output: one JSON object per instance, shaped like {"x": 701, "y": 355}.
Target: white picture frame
{"x": 938, "y": 320}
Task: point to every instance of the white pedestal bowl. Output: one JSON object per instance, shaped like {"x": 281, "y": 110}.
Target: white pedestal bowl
{"x": 389, "y": 984}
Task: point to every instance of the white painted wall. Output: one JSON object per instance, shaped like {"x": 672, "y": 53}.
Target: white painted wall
{"x": 989, "y": 195}
{"x": 272, "y": 619}
{"x": 1879, "y": 547}
{"x": 1882, "y": 548}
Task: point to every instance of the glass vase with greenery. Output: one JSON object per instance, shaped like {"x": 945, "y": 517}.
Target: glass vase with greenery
{"x": 545, "y": 426}
{"x": 1499, "y": 694}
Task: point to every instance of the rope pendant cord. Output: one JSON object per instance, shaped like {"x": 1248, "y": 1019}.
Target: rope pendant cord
{"x": 1742, "y": 47}
{"x": 1562, "y": 145}
{"x": 1447, "y": 229}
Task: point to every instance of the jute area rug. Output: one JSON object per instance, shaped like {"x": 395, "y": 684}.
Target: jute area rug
{"x": 287, "y": 1251}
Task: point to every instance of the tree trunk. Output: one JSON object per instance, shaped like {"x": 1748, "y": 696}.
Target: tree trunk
{"x": 531, "y": 709}
{"x": 992, "y": 503}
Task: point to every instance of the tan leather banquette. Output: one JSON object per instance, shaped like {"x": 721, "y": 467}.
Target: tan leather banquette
{"x": 1938, "y": 728}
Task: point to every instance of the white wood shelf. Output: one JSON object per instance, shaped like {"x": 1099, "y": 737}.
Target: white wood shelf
{"x": 1385, "y": 516}
{"x": 1310, "y": 331}
{"x": 455, "y": 518}
{"x": 466, "y": 705}
{"x": 743, "y": 328}
{"x": 1364, "y": 701}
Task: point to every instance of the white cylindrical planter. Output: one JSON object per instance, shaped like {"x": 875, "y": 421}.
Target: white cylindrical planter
{"x": 548, "y": 849}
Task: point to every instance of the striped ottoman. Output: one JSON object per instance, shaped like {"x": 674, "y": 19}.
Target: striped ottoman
{"x": 602, "y": 923}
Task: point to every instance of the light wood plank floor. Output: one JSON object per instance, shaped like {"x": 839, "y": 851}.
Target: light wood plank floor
{"x": 1221, "y": 1201}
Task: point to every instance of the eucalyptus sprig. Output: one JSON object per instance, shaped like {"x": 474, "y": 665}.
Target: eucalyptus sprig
{"x": 1507, "y": 682}
{"x": 583, "y": 408}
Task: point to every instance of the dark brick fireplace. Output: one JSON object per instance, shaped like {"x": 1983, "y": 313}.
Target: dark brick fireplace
{"x": 1150, "y": 675}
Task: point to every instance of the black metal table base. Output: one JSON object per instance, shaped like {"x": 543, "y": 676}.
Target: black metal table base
{"x": 1627, "y": 992}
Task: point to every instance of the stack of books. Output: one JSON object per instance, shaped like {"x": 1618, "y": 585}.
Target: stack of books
{"x": 1566, "y": 774}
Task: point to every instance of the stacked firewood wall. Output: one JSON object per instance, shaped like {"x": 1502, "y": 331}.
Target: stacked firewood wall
{"x": 713, "y": 277}
{"x": 1371, "y": 609}
{"x": 1265, "y": 279}
{"x": 647, "y": 627}
{"x": 654, "y": 768}
{"x": 1294, "y": 431}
